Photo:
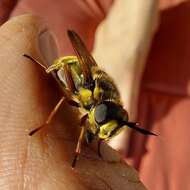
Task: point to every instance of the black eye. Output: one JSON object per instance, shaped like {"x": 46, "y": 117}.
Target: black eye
{"x": 108, "y": 110}
{"x": 100, "y": 113}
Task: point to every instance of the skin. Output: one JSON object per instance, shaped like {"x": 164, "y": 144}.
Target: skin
{"x": 43, "y": 161}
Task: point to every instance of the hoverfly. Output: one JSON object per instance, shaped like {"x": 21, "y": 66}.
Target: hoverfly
{"x": 92, "y": 90}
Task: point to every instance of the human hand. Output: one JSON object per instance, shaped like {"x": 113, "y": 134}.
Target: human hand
{"x": 122, "y": 40}
{"x": 43, "y": 161}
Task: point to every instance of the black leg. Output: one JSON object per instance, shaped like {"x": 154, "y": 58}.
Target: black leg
{"x": 35, "y": 130}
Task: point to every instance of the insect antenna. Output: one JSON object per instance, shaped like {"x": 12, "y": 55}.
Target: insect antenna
{"x": 134, "y": 125}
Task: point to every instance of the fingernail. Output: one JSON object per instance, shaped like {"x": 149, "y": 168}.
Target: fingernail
{"x": 48, "y": 47}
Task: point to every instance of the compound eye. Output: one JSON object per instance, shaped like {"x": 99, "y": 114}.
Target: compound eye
{"x": 100, "y": 114}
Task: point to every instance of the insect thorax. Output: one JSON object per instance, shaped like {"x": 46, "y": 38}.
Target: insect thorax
{"x": 100, "y": 88}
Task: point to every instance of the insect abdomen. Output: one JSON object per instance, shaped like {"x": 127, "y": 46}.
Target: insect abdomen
{"x": 105, "y": 89}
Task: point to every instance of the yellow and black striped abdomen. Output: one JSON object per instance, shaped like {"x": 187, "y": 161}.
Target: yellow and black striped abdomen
{"x": 104, "y": 89}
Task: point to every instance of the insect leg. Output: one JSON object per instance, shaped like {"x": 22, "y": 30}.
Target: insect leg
{"x": 53, "y": 112}
{"x": 79, "y": 143}
{"x": 51, "y": 115}
{"x": 60, "y": 62}
{"x": 34, "y": 60}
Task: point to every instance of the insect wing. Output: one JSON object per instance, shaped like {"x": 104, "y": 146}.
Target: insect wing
{"x": 85, "y": 59}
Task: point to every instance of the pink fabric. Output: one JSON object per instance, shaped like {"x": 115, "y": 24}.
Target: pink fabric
{"x": 164, "y": 106}
{"x": 6, "y": 6}
{"x": 81, "y": 16}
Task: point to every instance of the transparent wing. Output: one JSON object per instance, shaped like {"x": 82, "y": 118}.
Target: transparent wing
{"x": 86, "y": 61}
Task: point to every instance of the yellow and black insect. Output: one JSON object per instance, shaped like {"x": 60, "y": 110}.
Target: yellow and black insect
{"x": 92, "y": 90}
